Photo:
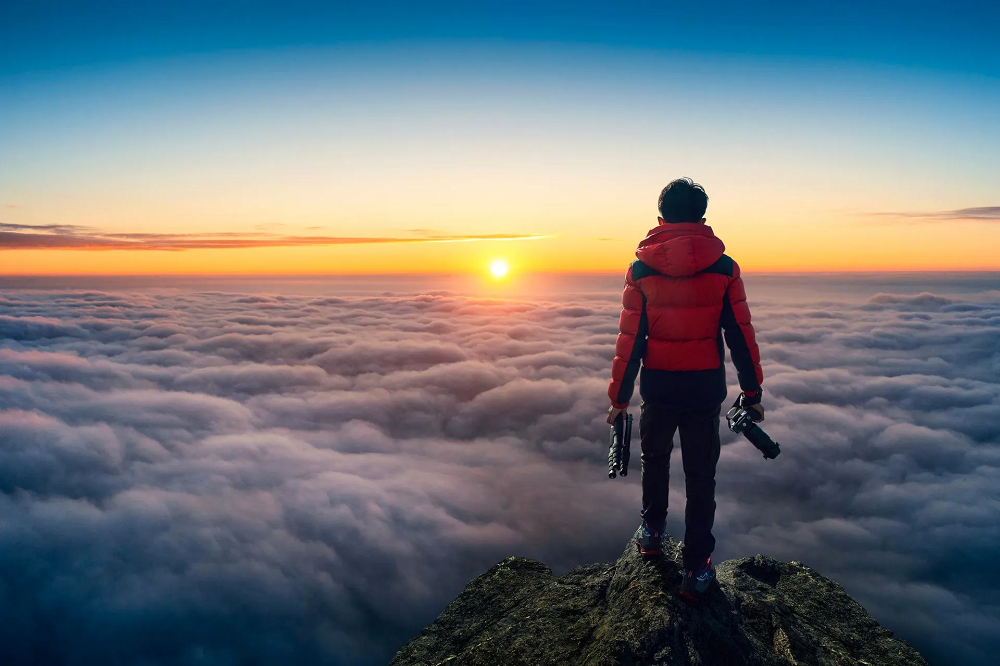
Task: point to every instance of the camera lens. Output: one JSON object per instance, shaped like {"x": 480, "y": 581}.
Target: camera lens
{"x": 760, "y": 439}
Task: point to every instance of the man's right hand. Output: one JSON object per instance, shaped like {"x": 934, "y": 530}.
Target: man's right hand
{"x": 759, "y": 409}
{"x": 613, "y": 413}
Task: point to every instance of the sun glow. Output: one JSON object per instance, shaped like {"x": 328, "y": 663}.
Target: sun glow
{"x": 499, "y": 268}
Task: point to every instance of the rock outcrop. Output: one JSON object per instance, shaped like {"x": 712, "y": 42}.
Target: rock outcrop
{"x": 764, "y": 612}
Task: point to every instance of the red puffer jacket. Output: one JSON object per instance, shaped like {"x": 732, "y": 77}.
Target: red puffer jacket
{"x": 682, "y": 297}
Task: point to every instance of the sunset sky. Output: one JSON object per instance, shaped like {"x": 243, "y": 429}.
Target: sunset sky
{"x": 308, "y": 310}
{"x": 189, "y": 137}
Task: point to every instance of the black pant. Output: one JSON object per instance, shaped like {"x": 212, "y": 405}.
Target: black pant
{"x": 699, "y": 453}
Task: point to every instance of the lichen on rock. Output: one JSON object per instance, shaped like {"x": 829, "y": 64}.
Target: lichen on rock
{"x": 763, "y": 613}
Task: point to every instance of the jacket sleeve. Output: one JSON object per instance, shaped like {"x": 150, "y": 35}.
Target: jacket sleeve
{"x": 740, "y": 335}
{"x": 630, "y": 345}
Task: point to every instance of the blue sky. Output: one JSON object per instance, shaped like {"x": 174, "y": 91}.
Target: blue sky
{"x": 951, "y": 36}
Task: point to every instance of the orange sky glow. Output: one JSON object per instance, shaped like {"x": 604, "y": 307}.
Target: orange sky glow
{"x": 761, "y": 248}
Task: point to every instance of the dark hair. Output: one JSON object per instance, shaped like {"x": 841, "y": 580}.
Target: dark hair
{"x": 683, "y": 200}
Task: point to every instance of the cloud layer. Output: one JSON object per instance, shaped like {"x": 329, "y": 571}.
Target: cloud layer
{"x": 214, "y": 478}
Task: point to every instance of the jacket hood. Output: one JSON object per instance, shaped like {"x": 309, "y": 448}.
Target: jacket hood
{"x": 681, "y": 249}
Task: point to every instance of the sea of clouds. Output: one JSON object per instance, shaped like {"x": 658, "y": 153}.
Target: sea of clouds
{"x": 256, "y": 478}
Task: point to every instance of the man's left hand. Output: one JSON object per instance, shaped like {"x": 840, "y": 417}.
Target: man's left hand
{"x": 613, "y": 413}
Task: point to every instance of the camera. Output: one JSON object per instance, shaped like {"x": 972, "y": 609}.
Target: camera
{"x": 742, "y": 423}
{"x": 618, "y": 451}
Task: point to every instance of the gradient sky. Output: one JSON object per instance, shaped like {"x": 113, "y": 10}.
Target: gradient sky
{"x": 256, "y": 137}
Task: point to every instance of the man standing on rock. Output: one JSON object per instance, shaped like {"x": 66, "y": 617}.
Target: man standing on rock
{"x": 682, "y": 297}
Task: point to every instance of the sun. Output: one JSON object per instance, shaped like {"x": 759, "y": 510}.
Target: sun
{"x": 499, "y": 268}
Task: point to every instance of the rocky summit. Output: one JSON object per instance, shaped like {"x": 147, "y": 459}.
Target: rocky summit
{"x": 764, "y": 612}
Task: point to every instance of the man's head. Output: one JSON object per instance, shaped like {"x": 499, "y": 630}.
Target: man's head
{"x": 683, "y": 200}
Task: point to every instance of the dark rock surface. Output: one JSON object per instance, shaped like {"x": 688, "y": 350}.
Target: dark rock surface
{"x": 764, "y": 612}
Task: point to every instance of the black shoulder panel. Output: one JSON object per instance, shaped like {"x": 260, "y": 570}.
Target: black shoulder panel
{"x": 641, "y": 270}
{"x": 722, "y": 266}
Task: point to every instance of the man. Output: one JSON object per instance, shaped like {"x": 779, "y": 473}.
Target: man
{"x": 682, "y": 297}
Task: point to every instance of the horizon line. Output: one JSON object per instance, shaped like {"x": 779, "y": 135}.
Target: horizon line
{"x": 517, "y": 275}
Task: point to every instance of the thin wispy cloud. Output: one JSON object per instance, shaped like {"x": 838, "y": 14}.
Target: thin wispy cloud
{"x": 71, "y": 237}
{"x": 42, "y": 228}
{"x": 980, "y": 214}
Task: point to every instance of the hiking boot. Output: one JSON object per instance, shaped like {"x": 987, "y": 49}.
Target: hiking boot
{"x": 648, "y": 541}
{"x": 698, "y": 582}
